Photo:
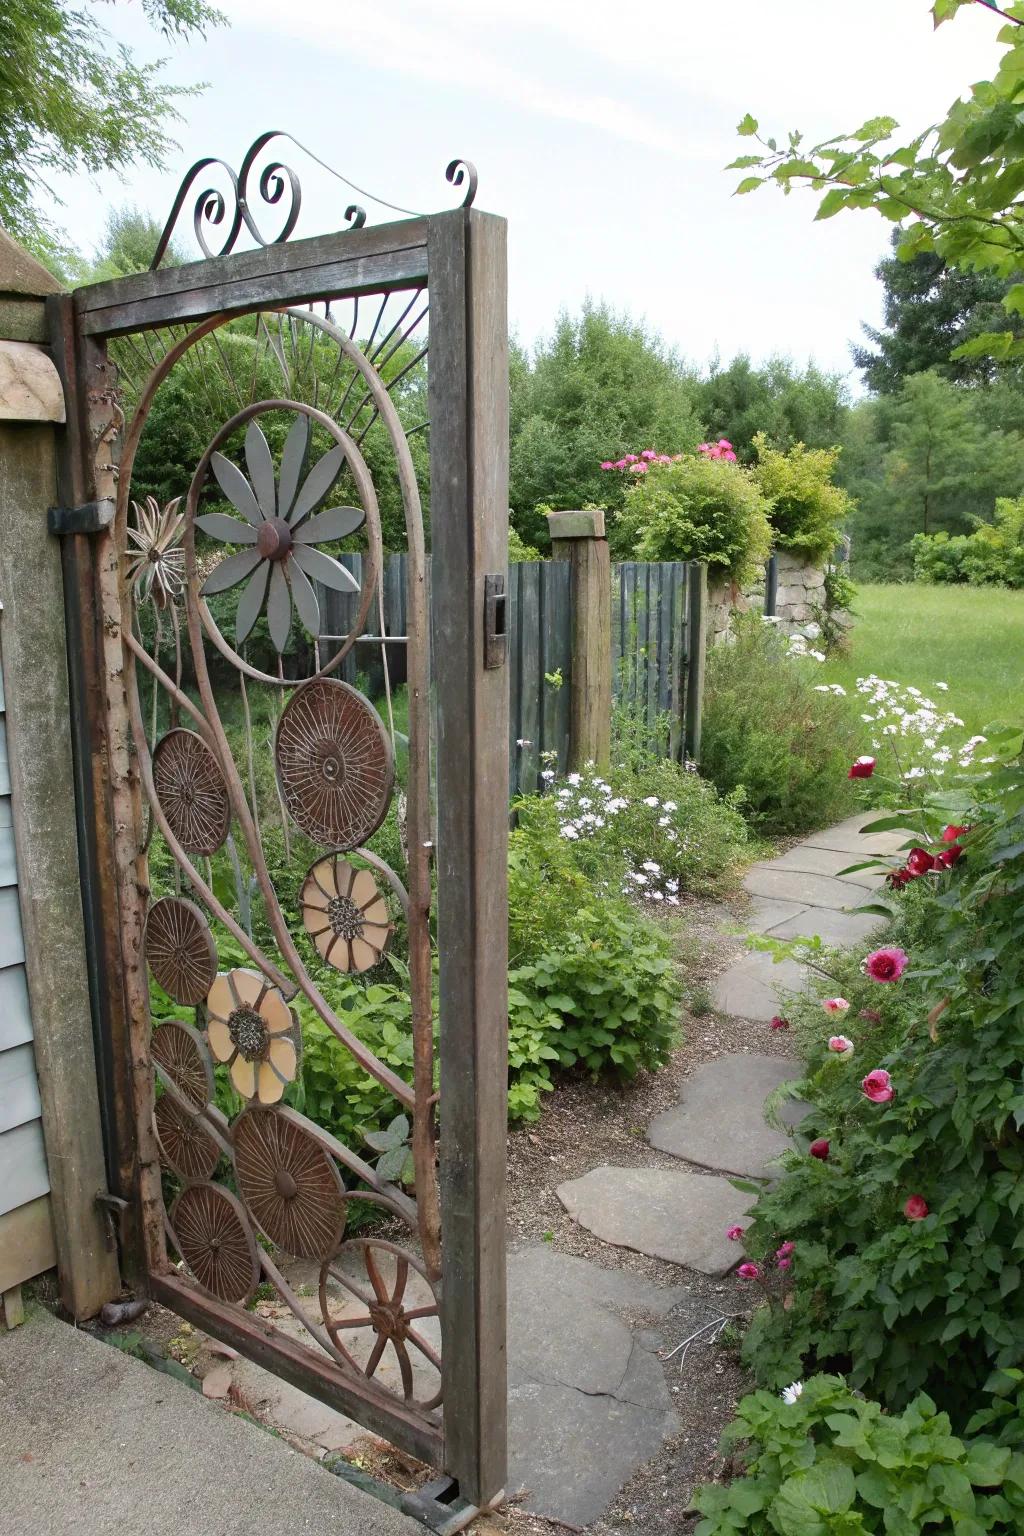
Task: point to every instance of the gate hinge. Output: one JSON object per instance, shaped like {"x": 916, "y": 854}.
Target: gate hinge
{"x": 495, "y": 624}
{"x": 93, "y": 517}
{"x": 113, "y": 1207}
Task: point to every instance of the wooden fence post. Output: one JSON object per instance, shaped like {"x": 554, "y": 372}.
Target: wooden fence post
{"x": 579, "y": 538}
{"x": 696, "y": 649}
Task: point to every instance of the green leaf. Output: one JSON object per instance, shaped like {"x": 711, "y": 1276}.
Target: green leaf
{"x": 986, "y": 1464}
{"x": 748, "y": 184}
{"x": 747, "y": 126}
{"x": 832, "y": 202}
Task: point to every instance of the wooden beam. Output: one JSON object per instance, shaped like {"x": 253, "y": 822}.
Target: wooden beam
{"x": 469, "y": 535}
{"x": 696, "y": 654}
{"x": 356, "y": 261}
{"x": 42, "y": 779}
{"x": 579, "y": 538}
{"x": 13, "y": 1306}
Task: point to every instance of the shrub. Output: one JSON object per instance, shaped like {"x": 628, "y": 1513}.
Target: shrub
{"x": 807, "y": 510}
{"x": 771, "y": 733}
{"x": 830, "y": 1462}
{"x": 925, "y": 1295}
{"x": 993, "y": 555}
{"x": 705, "y": 509}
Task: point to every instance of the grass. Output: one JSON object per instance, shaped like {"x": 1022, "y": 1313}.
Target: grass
{"x": 969, "y": 637}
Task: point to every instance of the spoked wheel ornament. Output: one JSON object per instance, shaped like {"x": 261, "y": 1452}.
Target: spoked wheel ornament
{"x": 379, "y": 1285}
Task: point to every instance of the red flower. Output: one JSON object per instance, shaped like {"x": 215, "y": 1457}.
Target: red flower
{"x": 896, "y": 879}
{"x": 877, "y": 1086}
{"x": 916, "y": 1208}
{"x": 863, "y": 768}
{"x": 749, "y": 1271}
{"x": 919, "y": 862}
{"x": 886, "y": 964}
{"x": 779, "y": 1023}
{"x": 871, "y": 1014}
{"x": 786, "y": 1251}
{"x": 950, "y": 834}
{"x": 819, "y": 1149}
{"x": 948, "y": 857}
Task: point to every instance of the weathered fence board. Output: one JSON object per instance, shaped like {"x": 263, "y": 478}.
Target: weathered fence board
{"x": 652, "y": 655}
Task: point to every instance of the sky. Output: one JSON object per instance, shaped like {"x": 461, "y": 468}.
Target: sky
{"x": 600, "y": 129}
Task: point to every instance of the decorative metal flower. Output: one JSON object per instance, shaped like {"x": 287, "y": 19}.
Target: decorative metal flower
{"x": 344, "y": 914}
{"x": 251, "y": 1028}
{"x": 186, "y": 1145}
{"x": 282, "y": 561}
{"x": 180, "y": 1051}
{"x": 156, "y": 567}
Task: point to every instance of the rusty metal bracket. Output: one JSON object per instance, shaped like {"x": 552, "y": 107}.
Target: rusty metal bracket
{"x": 439, "y": 1506}
{"x": 93, "y": 517}
{"x": 495, "y": 622}
{"x": 113, "y": 1208}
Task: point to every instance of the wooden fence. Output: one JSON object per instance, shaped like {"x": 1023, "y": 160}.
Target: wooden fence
{"x": 656, "y": 657}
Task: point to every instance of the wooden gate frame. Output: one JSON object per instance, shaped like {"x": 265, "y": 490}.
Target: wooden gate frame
{"x": 462, "y": 256}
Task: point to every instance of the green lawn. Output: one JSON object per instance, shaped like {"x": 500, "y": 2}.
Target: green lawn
{"x": 969, "y": 637}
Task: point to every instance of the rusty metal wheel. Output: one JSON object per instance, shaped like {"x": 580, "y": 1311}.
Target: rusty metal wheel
{"x": 289, "y": 1182}
{"x": 180, "y": 949}
{"x": 191, "y": 790}
{"x": 214, "y": 1238}
{"x": 180, "y": 1052}
{"x": 334, "y": 763}
{"x": 186, "y": 1145}
{"x": 386, "y": 1313}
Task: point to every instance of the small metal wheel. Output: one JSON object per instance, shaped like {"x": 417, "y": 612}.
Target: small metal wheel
{"x": 214, "y": 1238}
{"x": 181, "y": 1054}
{"x": 386, "y": 1312}
{"x": 186, "y": 1145}
{"x": 289, "y": 1181}
{"x": 180, "y": 949}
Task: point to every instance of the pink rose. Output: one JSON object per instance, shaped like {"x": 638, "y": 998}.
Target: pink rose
{"x": 785, "y": 1263}
{"x": 841, "y": 1045}
{"x": 734, "y": 1234}
{"x": 834, "y": 1004}
{"x": 785, "y": 1251}
{"x": 886, "y": 964}
{"x": 749, "y": 1271}
{"x": 648, "y": 453}
{"x": 916, "y": 1208}
{"x": 820, "y": 1149}
{"x": 621, "y": 463}
{"x": 863, "y": 768}
{"x": 608, "y": 464}
{"x": 631, "y": 458}
{"x": 638, "y": 469}
{"x": 877, "y": 1086}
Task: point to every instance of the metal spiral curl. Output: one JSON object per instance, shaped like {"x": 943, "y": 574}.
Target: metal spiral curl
{"x": 211, "y": 206}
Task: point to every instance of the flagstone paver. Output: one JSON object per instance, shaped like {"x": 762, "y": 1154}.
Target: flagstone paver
{"x": 750, "y": 988}
{"x": 719, "y": 1121}
{"x": 682, "y": 1217}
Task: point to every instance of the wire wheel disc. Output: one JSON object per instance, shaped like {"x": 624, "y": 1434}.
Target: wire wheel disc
{"x": 180, "y": 1051}
{"x": 186, "y": 1146}
{"x": 289, "y": 1182}
{"x": 216, "y": 1242}
{"x": 334, "y": 763}
{"x": 191, "y": 790}
{"x": 180, "y": 949}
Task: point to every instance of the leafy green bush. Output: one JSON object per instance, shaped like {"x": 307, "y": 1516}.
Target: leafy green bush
{"x": 807, "y": 510}
{"x": 771, "y": 733}
{"x": 909, "y": 1248}
{"x": 993, "y": 555}
{"x": 700, "y": 508}
{"x": 829, "y": 1463}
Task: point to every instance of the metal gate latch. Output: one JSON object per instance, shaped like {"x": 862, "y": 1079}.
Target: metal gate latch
{"x": 495, "y": 631}
{"x": 113, "y": 1207}
{"x": 93, "y": 517}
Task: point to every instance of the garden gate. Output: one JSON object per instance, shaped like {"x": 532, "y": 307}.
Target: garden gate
{"x": 404, "y": 1331}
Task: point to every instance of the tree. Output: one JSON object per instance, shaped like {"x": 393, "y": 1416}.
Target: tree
{"x": 929, "y": 310}
{"x": 922, "y": 461}
{"x": 71, "y": 100}
{"x": 602, "y": 386}
{"x": 788, "y": 406}
{"x": 129, "y": 245}
{"x": 953, "y": 188}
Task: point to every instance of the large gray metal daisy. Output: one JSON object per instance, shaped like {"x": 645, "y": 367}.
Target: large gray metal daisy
{"x": 282, "y": 526}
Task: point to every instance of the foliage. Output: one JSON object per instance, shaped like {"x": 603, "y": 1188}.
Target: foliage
{"x": 606, "y": 999}
{"x": 789, "y": 406}
{"x": 700, "y": 509}
{"x": 73, "y": 100}
{"x": 830, "y": 1463}
{"x": 601, "y": 383}
{"x": 903, "y": 1298}
{"x": 774, "y": 734}
{"x": 518, "y": 551}
{"x": 807, "y": 510}
{"x": 129, "y": 244}
{"x": 993, "y": 555}
{"x": 832, "y": 614}
{"x": 930, "y": 308}
{"x": 952, "y": 187}
{"x": 918, "y": 741}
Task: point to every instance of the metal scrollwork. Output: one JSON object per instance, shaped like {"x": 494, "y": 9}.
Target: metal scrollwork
{"x": 211, "y": 207}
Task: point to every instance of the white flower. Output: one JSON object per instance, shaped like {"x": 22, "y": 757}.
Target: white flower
{"x": 651, "y": 867}
{"x": 791, "y": 1393}
{"x": 822, "y": 688}
{"x": 673, "y": 901}
{"x": 640, "y": 879}
{"x": 944, "y": 687}
{"x": 570, "y": 832}
{"x": 818, "y": 655}
{"x": 573, "y": 779}
{"x": 657, "y": 896}
{"x": 914, "y": 773}
{"x": 547, "y": 773}
{"x": 669, "y": 805}
{"x": 585, "y": 802}
{"x": 652, "y": 800}
{"x": 867, "y": 718}
{"x": 943, "y": 755}
{"x": 664, "y": 821}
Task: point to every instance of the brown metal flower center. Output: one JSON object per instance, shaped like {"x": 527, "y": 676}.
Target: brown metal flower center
{"x": 249, "y": 1034}
{"x": 274, "y": 539}
{"x": 329, "y": 763}
{"x": 285, "y": 1184}
{"x": 345, "y": 917}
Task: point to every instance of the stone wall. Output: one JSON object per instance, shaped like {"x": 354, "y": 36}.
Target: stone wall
{"x": 800, "y": 590}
